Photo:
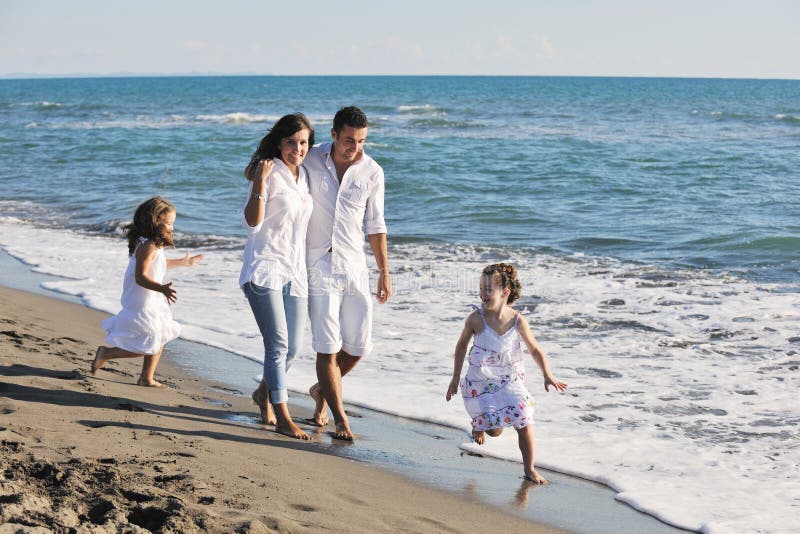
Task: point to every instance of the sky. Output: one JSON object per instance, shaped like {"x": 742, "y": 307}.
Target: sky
{"x": 696, "y": 38}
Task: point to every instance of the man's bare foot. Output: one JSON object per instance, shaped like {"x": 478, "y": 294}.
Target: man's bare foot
{"x": 479, "y": 436}
{"x": 264, "y": 406}
{"x": 321, "y": 409}
{"x": 343, "y": 432}
{"x": 288, "y": 428}
{"x": 533, "y": 476}
{"x": 99, "y": 359}
{"x": 149, "y": 383}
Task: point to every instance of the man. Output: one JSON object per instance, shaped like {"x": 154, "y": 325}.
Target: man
{"x": 347, "y": 187}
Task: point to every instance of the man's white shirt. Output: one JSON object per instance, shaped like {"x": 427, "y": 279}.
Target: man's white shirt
{"x": 340, "y": 211}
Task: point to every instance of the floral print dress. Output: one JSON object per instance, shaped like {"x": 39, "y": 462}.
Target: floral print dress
{"x": 493, "y": 389}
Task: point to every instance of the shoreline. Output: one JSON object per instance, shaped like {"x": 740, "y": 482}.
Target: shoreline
{"x": 89, "y": 452}
{"x": 404, "y": 453}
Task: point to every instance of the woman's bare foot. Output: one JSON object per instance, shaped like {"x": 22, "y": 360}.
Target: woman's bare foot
{"x": 264, "y": 406}
{"x": 321, "y": 409}
{"x": 479, "y": 436}
{"x": 149, "y": 383}
{"x": 99, "y": 359}
{"x": 533, "y": 476}
{"x": 288, "y": 428}
{"x": 343, "y": 432}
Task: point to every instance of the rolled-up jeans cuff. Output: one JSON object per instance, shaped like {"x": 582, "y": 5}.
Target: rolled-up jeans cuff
{"x": 279, "y": 396}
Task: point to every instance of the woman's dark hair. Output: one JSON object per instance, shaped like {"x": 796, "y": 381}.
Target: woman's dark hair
{"x": 349, "y": 116}
{"x": 506, "y": 276}
{"x": 148, "y": 222}
{"x": 270, "y": 145}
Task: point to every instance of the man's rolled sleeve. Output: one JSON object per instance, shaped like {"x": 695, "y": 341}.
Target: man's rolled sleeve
{"x": 374, "y": 222}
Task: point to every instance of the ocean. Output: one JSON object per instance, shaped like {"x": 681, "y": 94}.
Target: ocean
{"x": 654, "y": 223}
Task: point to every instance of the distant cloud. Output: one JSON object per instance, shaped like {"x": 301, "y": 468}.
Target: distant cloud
{"x": 397, "y": 44}
{"x": 504, "y": 44}
{"x": 544, "y": 49}
{"x": 193, "y": 45}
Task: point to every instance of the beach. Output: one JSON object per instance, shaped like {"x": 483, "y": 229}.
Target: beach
{"x": 652, "y": 223}
{"x": 101, "y": 453}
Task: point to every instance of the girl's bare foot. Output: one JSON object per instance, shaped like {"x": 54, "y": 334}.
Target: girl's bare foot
{"x": 479, "y": 436}
{"x": 99, "y": 359}
{"x": 533, "y": 476}
{"x": 288, "y": 428}
{"x": 495, "y": 432}
{"x": 321, "y": 408}
{"x": 149, "y": 383}
{"x": 264, "y": 406}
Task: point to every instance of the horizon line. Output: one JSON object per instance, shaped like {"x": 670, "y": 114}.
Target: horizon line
{"x": 77, "y": 75}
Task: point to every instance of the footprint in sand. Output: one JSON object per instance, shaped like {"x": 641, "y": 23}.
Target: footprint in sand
{"x": 304, "y": 507}
{"x": 7, "y": 407}
{"x": 60, "y": 340}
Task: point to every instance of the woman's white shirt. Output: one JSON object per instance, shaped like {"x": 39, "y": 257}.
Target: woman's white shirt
{"x": 275, "y": 253}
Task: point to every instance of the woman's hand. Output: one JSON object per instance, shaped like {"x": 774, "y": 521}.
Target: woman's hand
{"x": 264, "y": 169}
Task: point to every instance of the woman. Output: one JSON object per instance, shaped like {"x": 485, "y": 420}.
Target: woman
{"x": 273, "y": 276}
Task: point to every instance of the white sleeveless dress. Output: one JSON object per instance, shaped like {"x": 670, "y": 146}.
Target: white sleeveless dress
{"x": 493, "y": 389}
{"x": 145, "y": 322}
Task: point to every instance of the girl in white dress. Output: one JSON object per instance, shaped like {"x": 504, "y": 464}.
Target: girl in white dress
{"x": 145, "y": 322}
{"x": 493, "y": 389}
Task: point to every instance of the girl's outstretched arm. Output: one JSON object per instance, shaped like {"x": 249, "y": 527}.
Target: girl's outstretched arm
{"x": 186, "y": 261}
{"x": 524, "y": 330}
{"x": 461, "y": 351}
{"x": 145, "y": 253}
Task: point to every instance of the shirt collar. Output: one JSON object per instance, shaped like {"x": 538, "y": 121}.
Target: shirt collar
{"x": 329, "y": 159}
{"x": 285, "y": 172}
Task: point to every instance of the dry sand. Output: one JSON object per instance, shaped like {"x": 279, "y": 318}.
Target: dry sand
{"x": 100, "y": 454}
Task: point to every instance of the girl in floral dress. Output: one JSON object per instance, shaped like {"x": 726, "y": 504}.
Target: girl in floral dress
{"x": 493, "y": 389}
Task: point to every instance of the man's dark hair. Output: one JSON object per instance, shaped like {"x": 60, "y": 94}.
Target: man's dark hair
{"x": 349, "y": 116}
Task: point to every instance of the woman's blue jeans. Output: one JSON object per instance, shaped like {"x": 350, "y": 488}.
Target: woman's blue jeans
{"x": 281, "y": 319}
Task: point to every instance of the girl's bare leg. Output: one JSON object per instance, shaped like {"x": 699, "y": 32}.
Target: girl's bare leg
{"x": 527, "y": 446}
{"x": 480, "y": 435}
{"x": 148, "y": 370}
{"x": 103, "y": 354}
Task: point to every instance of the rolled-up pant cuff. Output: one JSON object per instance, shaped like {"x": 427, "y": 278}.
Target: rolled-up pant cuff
{"x": 279, "y": 396}
{"x": 352, "y": 350}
